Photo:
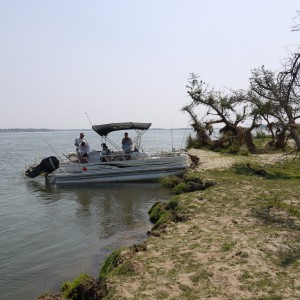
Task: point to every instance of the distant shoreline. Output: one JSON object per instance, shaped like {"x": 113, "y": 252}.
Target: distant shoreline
{"x": 47, "y": 130}
{"x": 36, "y": 129}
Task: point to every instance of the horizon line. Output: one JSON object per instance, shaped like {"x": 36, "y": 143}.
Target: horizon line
{"x": 74, "y": 129}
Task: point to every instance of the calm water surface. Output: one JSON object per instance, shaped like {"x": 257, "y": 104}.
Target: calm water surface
{"x": 50, "y": 234}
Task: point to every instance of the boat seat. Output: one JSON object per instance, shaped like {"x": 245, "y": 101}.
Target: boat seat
{"x": 118, "y": 158}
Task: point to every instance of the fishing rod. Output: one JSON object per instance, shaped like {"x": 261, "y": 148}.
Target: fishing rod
{"x": 52, "y": 148}
{"x": 89, "y": 119}
{"x": 172, "y": 138}
{"x": 183, "y": 139}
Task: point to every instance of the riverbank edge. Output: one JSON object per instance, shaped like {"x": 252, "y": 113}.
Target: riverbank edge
{"x": 148, "y": 274}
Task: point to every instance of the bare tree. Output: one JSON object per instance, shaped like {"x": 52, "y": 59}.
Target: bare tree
{"x": 202, "y": 132}
{"x": 296, "y": 26}
{"x": 220, "y": 108}
{"x": 277, "y": 99}
{"x": 289, "y": 97}
{"x": 263, "y": 87}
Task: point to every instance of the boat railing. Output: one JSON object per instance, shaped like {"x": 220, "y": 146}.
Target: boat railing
{"x": 97, "y": 155}
{"x": 120, "y": 155}
{"x": 160, "y": 154}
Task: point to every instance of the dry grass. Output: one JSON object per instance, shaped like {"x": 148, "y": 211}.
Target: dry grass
{"x": 241, "y": 239}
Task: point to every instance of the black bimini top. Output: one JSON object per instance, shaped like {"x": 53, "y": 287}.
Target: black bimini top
{"x": 105, "y": 129}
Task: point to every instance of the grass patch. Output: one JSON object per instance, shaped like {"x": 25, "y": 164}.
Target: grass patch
{"x": 273, "y": 211}
{"x": 111, "y": 263}
{"x": 287, "y": 170}
{"x": 162, "y": 213}
{"x": 190, "y": 182}
{"x": 227, "y": 246}
{"x": 118, "y": 263}
{"x": 170, "y": 181}
{"x": 200, "y": 275}
{"x": 289, "y": 256}
{"x": 73, "y": 289}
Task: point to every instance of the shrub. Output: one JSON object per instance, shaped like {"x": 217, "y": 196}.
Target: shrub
{"x": 192, "y": 142}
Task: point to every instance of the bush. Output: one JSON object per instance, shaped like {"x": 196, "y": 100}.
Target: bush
{"x": 192, "y": 142}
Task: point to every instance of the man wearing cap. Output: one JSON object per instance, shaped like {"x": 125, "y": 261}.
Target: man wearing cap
{"x": 78, "y": 141}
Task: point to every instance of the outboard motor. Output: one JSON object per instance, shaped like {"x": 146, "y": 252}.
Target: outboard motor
{"x": 47, "y": 165}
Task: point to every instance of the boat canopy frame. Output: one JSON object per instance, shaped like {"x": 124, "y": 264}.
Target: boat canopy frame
{"x": 104, "y": 129}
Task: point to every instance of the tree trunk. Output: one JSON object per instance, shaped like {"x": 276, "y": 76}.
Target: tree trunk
{"x": 295, "y": 135}
{"x": 279, "y": 141}
{"x": 202, "y": 137}
{"x": 235, "y": 134}
{"x": 249, "y": 141}
{"x": 293, "y": 127}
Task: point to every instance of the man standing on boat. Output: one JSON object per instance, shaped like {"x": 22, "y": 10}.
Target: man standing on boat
{"x": 126, "y": 143}
{"x": 78, "y": 141}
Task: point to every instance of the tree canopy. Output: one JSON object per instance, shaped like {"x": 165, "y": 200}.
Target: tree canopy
{"x": 273, "y": 98}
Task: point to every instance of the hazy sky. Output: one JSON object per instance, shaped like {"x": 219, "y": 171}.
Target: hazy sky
{"x": 129, "y": 60}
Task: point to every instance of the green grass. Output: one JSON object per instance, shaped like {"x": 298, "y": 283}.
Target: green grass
{"x": 227, "y": 246}
{"x": 110, "y": 264}
{"x": 289, "y": 256}
{"x": 244, "y": 229}
{"x": 72, "y": 289}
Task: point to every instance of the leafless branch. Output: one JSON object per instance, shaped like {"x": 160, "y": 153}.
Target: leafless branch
{"x": 296, "y": 26}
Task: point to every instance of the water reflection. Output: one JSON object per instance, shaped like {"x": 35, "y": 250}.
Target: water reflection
{"x": 123, "y": 193}
{"x": 107, "y": 209}
{"x": 40, "y": 189}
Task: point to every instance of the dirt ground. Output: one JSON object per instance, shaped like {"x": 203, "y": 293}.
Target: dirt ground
{"x": 215, "y": 160}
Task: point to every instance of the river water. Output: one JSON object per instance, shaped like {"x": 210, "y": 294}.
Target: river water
{"x": 51, "y": 234}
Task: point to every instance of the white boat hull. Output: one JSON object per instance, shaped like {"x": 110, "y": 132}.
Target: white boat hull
{"x": 150, "y": 169}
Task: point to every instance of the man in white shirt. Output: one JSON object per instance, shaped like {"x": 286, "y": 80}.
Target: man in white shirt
{"x": 84, "y": 149}
{"x": 78, "y": 141}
